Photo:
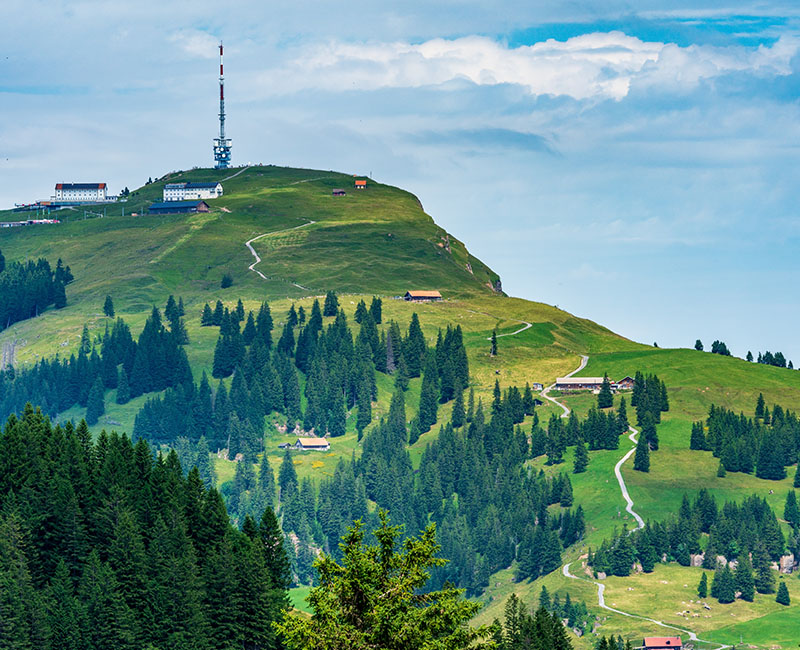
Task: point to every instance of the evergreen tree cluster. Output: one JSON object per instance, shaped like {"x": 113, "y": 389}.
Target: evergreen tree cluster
{"x": 718, "y": 347}
{"x": 106, "y": 546}
{"x": 600, "y": 430}
{"x": 765, "y": 444}
{"x": 731, "y": 532}
{"x": 575, "y": 614}
{"x": 613, "y": 643}
{"x": 649, "y": 398}
{"x": 523, "y": 629}
{"x": 27, "y": 289}
{"x": 152, "y": 363}
{"x": 778, "y": 359}
{"x": 489, "y": 509}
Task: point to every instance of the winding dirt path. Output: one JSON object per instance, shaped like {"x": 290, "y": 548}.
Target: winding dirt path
{"x": 601, "y": 588}
{"x": 249, "y": 244}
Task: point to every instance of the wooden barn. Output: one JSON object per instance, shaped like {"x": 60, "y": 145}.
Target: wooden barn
{"x": 361, "y": 184}
{"x": 626, "y": 383}
{"x": 338, "y": 192}
{"x": 422, "y": 296}
{"x": 308, "y": 444}
{"x": 178, "y": 207}
{"x": 579, "y": 383}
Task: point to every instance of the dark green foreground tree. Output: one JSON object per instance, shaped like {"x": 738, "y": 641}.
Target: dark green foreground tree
{"x": 376, "y": 598}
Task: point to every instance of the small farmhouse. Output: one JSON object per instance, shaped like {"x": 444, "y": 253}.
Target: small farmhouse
{"x": 80, "y": 192}
{"x": 178, "y": 207}
{"x": 579, "y": 383}
{"x": 189, "y": 191}
{"x": 422, "y": 296}
{"x": 537, "y": 386}
{"x": 339, "y": 192}
{"x": 309, "y": 444}
{"x": 626, "y": 383}
{"x": 361, "y": 184}
{"x": 662, "y": 643}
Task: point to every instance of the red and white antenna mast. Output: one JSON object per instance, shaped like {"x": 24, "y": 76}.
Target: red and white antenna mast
{"x": 222, "y": 145}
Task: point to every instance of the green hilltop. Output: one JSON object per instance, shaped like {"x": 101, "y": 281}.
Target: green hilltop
{"x": 379, "y": 241}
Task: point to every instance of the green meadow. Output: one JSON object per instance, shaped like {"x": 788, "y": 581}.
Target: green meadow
{"x": 380, "y": 242}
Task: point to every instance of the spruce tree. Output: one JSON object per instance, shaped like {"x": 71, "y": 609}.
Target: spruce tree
{"x": 108, "y": 307}
{"x": 726, "y": 589}
{"x": 702, "y": 588}
{"x": 207, "y": 317}
{"x": 376, "y": 310}
{"x": 471, "y": 406}
{"x": 796, "y": 482}
{"x": 331, "y": 307}
{"x": 605, "y": 399}
{"x": 783, "y": 595}
{"x": 361, "y": 311}
{"x": 743, "y": 578}
{"x": 762, "y": 566}
{"x": 123, "y": 388}
{"x": 95, "y": 406}
{"x": 287, "y": 477}
{"x": 59, "y": 295}
{"x": 721, "y": 471}
{"x": 641, "y": 461}
{"x": 428, "y": 402}
{"x": 493, "y": 346}
{"x": 459, "y": 416}
{"x": 791, "y": 513}
{"x": 581, "y": 457}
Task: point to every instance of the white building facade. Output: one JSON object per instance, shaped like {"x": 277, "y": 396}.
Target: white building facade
{"x": 83, "y": 192}
{"x": 192, "y": 191}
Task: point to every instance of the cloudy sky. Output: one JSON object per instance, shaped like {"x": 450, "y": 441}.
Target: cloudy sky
{"x": 633, "y": 163}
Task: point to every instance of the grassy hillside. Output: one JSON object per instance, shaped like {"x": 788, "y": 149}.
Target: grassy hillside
{"x": 381, "y": 242}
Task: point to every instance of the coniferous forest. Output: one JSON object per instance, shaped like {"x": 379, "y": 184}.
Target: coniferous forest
{"x": 765, "y": 444}
{"x": 106, "y": 545}
{"x": 27, "y": 289}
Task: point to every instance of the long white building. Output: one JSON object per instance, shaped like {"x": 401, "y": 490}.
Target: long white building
{"x": 192, "y": 191}
{"x": 83, "y": 192}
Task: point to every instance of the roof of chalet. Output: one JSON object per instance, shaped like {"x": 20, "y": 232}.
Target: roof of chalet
{"x": 579, "y": 380}
{"x": 424, "y": 294}
{"x": 361, "y": 182}
{"x": 163, "y": 205}
{"x": 660, "y": 641}
{"x": 80, "y": 186}
{"x": 313, "y": 442}
{"x": 190, "y": 186}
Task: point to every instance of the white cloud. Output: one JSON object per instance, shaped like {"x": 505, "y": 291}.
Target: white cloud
{"x": 597, "y": 65}
{"x": 196, "y": 43}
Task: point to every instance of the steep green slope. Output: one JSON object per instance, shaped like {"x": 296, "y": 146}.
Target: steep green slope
{"x": 380, "y": 241}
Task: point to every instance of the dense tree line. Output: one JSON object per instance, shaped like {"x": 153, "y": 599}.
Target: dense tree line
{"x": 778, "y": 359}
{"x": 765, "y": 444}
{"x": 106, "y": 546}
{"x": 523, "y": 629}
{"x": 339, "y": 370}
{"x": 27, "y": 289}
{"x": 718, "y": 347}
{"x": 743, "y": 533}
{"x": 490, "y": 510}
{"x": 155, "y": 361}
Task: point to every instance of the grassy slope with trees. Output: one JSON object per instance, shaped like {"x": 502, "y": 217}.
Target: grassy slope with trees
{"x": 381, "y": 242}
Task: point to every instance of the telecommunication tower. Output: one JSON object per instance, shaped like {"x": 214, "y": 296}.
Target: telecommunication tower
{"x": 222, "y": 145}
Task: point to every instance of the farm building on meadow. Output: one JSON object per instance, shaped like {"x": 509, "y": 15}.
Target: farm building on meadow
{"x": 339, "y": 192}
{"x": 308, "y": 444}
{"x": 537, "y": 386}
{"x": 422, "y": 296}
{"x": 662, "y": 643}
{"x": 80, "y": 192}
{"x": 626, "y": 383}
{"x": 189, "y": 191}
{"x": 178, "y": 207}
{"x": 579, "y": 383}
{"x": 361, "y": 184}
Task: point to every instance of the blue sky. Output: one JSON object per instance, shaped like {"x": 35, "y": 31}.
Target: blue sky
{"x": 633, "y": 163}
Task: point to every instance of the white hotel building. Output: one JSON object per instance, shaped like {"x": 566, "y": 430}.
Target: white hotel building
{"x": 81, "y": 192}
{"x": 192, "y": 191}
